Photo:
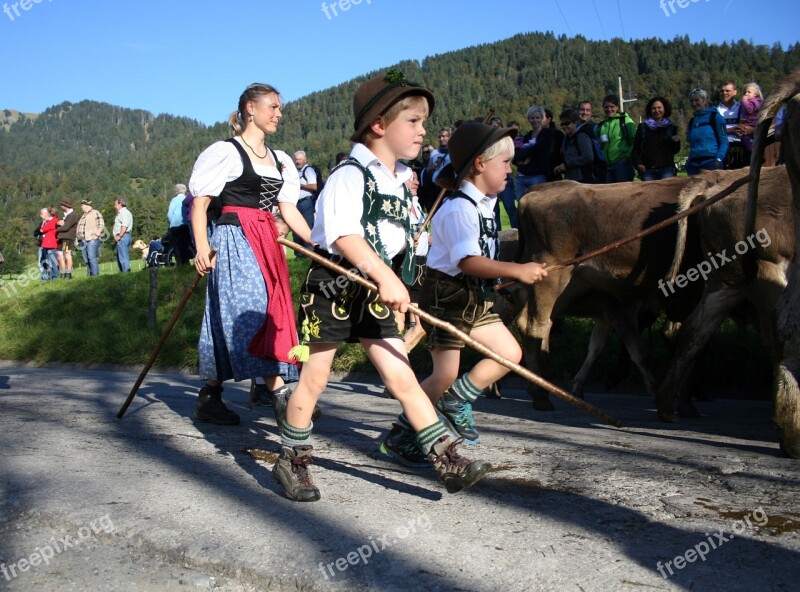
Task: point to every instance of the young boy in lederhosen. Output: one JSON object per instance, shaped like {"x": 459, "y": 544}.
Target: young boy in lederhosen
{"x": 462, "y": 269}
{"x": 361, "y": 223}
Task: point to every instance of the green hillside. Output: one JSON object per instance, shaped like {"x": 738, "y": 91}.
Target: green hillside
{"x": 102, "y": 152}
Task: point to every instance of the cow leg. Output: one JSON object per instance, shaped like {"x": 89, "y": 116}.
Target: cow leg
{"x": 536, "y": 350}
{"x": 626, "y": 323}
{"x": 692, "y": 338}
{"x": 597, "y": 343}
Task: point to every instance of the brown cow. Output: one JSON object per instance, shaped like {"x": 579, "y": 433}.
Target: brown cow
{"x": 787, "y": 379}
{"x": 725, "y": 243}
{"x": 561, "y": 220}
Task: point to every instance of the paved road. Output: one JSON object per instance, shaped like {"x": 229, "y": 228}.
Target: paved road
{"x": 155, "y": 502}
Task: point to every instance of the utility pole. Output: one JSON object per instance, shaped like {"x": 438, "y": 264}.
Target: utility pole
{"x": 622, "y": 99}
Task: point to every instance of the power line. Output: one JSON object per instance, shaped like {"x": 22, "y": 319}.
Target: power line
{"x": 566, "y": 22}
{"x": 597, "y": 12}
{"x": 621, "y": 24}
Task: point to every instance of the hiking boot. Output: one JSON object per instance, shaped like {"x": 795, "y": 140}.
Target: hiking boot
{"x": 459, "y": 415}
{"x": 259, "y": 395}
{"x": 280, "y": 400}
{"x": 455, "y": 471}
{"x": 210, "y": 407}
{"x": 401, "y": 445}
{"x": 292, "y": 471}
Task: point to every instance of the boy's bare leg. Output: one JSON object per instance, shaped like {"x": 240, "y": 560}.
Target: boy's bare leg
{"x": 313, "y": 380}
{"x": 292, "y": 469}
{"x": 389, "y": 358}
{"x": 460, "y": 391}
{"x": 499, "y": 339}
{"x": 432, "y": 438}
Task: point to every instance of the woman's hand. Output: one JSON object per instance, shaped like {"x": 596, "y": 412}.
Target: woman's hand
{"x": 204, "y": 262}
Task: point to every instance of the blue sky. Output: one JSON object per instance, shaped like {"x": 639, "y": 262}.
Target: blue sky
{"x": 194, "y": 58}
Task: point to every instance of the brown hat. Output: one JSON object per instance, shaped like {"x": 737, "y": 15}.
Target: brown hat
{"x": 375, "y": 96}
{"x": 66, "y": 202}
{"x": 467, "y": 143}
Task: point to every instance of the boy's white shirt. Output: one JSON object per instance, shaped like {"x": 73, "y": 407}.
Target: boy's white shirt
{"x": 340, "y": 206}
{"x": 455, "y": 230}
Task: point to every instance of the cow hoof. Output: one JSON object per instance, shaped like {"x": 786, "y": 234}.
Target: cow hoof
{"x": 791, "y": 450}
{"x": 668, "y": 416}
{"x": 688, "y": 410}
{"x": 542, "y": 404}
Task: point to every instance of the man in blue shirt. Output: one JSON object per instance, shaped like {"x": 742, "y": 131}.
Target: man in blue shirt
{"x": 178, "y": 217}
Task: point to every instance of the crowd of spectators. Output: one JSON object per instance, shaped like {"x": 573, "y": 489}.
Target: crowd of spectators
{"x": 614, "y": 148}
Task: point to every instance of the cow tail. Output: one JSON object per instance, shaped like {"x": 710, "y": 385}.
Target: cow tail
{"x": 785, "y": 90}
{"x": 686, "y": 197}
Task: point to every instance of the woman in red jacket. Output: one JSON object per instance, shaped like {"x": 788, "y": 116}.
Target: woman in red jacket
{"x": 49, "y": 243}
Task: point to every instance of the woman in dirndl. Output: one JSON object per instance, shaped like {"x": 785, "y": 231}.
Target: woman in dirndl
{"x": 249, "y": 324}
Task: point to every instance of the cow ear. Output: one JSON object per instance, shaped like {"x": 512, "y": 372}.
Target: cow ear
{"x": 447, "y": 178}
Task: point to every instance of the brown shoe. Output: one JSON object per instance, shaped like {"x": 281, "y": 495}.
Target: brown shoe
{"x": 292, "y": 472}
{"x": 209, "y": 407}
{"x": 455, "y": 471}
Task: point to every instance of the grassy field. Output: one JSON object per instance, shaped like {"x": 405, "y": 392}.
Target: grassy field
{"x": 104, "y": 320}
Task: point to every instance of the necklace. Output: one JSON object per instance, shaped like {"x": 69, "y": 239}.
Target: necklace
{"x": 253, "y": 151}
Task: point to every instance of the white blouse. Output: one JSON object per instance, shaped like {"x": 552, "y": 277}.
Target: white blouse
{"x": 221, "y": 163}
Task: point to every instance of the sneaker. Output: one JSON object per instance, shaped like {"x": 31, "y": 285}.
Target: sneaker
{"x": 292, "y": 472}
{"x": 210, "y": 407}
{"x": 401, "y": 445}
{"x": 280, "y": 400}
{"x": 455, "y": 471}
{"x": 259, "y": 395}
{"x": 459, "y": 415}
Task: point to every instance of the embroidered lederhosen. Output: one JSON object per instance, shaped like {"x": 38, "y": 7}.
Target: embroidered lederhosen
{"x": 462, "y": 300}
{"x": 332, "y": 308}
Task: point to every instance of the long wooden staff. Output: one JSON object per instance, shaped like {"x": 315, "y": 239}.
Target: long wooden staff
{"x": 163, "y": 339}
{"x": 476, "y": 345}
{"x": 642, "y": 233}
{"x": 439, "y": 199}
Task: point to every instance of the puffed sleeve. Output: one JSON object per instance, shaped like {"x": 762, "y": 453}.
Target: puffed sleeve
{"x": 290, "y": 192}
{"x": 215, "y": 166}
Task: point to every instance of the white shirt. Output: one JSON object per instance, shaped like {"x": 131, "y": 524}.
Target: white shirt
{"x": 417, "y": 216}
{"x": 456, "y": 230}
{"x": 221, "y": 163}
{"x": 341, "y": 204}
{"x": 731, "y": 117}
{"x": 307, "y": 177}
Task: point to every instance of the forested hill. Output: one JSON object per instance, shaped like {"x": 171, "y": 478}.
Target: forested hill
{"x": 103, "y": 151}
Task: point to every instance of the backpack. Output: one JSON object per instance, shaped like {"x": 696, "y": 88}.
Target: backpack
{"x": 599, "y": 166}
{"x": 320, "y": 181}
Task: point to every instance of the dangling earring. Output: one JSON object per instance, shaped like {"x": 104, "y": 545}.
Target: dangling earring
{"x": 251, "y": 117}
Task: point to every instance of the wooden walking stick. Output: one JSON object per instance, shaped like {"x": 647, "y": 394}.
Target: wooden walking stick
{"x": 440, "y": 197}
{"x": 178, "y": 310}
{"x": 476, "y": 345}
{"x": 642, "y": 233}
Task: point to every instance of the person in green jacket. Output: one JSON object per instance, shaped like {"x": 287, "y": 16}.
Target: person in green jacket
{"x": 616, "y": 134}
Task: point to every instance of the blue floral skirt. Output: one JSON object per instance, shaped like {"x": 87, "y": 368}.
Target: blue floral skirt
{"x": 236, "y": 305}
